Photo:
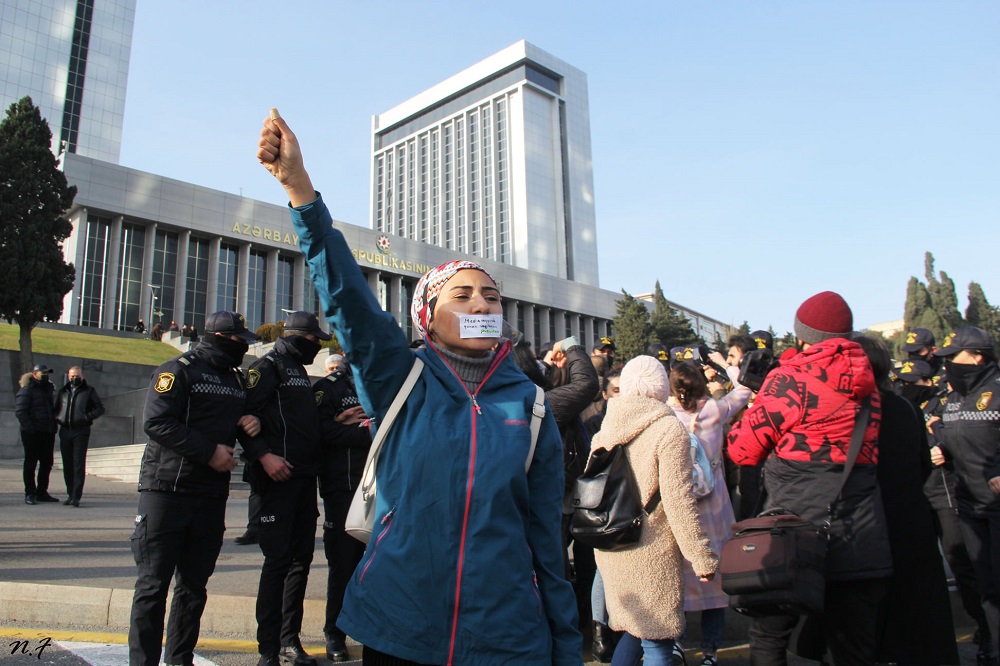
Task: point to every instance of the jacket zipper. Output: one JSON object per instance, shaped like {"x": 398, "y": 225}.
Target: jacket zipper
{"x": 387, "y": 521}
{"x": 476, "y": 410}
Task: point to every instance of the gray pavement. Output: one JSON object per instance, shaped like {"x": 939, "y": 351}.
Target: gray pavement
{"x": 62, "y": 566}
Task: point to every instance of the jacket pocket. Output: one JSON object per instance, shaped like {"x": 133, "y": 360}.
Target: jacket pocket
{"x": 386, "y": 525}
{"x": 138, "y": 541}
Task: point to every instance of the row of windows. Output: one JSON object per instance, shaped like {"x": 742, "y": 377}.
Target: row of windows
{"x": 449, "y": 185}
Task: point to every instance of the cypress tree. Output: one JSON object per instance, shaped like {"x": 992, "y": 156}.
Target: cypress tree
{"x": 633, "y": 331}
{"x": 34, "y": 198}
{"x": 669, "y": 326}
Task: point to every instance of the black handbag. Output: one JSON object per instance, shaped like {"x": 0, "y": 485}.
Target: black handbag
{"x": 608, "y": 513}
{"x": 775, "y": 563}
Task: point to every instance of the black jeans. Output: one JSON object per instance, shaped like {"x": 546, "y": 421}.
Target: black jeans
{"x": 287, "y": 539}
{"x": 38, "y": 451}
{"x": 174, "y": 533}
{"x": 982, "y": 538}
{"x": 949, "y": 530}
{"x": 73, "y": 447}
{"x": 343, "y": 552}
{"x": 848, "y": 626}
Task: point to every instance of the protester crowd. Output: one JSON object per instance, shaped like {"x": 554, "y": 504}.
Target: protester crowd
{"x": 473, "y": 555}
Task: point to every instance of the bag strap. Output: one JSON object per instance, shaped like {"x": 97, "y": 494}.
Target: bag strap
{"x": 537, "y": 414}
{"x": 857, "y": 437}
{"x": 383, "y": 428}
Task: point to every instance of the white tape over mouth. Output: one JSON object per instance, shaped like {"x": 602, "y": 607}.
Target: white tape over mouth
{"x": 480, "y": 326}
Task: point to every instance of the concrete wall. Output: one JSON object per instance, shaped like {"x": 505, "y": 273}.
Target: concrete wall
{"x": 122, "y": 387}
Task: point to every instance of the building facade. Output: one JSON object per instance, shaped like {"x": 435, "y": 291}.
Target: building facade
{"x": 494, "y": 162}
{"x": 72, "y": 58}
{"x": 150, "y": 247}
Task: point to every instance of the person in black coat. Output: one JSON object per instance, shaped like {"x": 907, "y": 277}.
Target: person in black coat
{"x": 77, "y": 405}
{"x": 918, "y": 627}
{"x": 33, "y": 408}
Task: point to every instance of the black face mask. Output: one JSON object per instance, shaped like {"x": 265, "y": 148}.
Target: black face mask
{"x": 304, "y": 347}
{"x": 234, "y": 350}
{"x": 75, "y": 381}
{"x": 917, "y": 394}
{"x": 44, "y": 379}
{"x": 961, "y": 376}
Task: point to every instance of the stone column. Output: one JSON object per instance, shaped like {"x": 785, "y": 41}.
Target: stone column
{"x": 212, "y": 290}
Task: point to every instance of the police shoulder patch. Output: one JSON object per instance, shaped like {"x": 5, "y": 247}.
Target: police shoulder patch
{"x": 164, "y": 382}
{"x": 319, "y": 398}
{"x": 253, "y": 376}
{"x": 984, "y": 400}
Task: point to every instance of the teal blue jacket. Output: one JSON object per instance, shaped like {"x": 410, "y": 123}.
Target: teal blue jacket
{"x": 465, "y": 564}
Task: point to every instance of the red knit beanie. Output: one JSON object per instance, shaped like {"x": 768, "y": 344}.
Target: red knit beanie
{"x": 823, "y": 317}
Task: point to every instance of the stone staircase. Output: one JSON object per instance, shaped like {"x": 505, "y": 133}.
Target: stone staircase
{"x": 122, "y": 464}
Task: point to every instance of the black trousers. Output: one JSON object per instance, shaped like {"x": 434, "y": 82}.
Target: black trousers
{"x": 38, "y": 451}
{"x": 287, "y": 539}
{"x": 982, "y": 538}
{"x": 343, "y": 552}
{"x": 73, "y": 444}
{"x": 849, "y": 626}
{"x": 949, "y": 530}
{"x": 253, "y": 512}
{"x": 175, "y": 534}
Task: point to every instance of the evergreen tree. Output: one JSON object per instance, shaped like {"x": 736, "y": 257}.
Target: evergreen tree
{"x": 34, "y": 197}
{"x": 787, "y": 341}
{"x": 980, "y": 313}
{"x": 919, "y": 312}
{"x": 633, "y": 331}
{"x": 744, "y": 328}
{"x": 669, "y": 326}
{"x": 943, "y": 298}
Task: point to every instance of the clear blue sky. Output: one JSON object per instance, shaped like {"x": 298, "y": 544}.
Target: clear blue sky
{"x": 746, "y": 154}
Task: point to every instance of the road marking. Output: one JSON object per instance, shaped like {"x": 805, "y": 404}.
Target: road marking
{"x": 109, "y": 654}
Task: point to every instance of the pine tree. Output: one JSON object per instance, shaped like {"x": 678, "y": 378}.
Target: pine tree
{"x": 633, "y": 331}
{"x": 980, "y": 313}
{"x": 34, "y": 197}
{"x": 787, "y": 341}
{"x": 744, "y": 328}
{"x": 670, "y": 327}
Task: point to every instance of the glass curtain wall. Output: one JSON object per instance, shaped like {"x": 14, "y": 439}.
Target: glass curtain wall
{"x": 229, "y": 270}
{"x": 164, "y": 276}
{"x": 256, "y": 284}
{"x": 95, "y": 260}
{"x": 130, "y": 286}
{"x": 197, "y": 285}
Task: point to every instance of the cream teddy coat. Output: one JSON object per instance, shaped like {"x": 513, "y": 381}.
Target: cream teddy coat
{"x": 644, "y": 585}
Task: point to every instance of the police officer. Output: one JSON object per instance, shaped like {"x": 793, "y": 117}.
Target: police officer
{"x": 343, "y": 453}
{"x": 970, "y": 436}
{"x": 284, "y": 464}
{"x": 195, "y": 410}
{"x": 919, "y": 345}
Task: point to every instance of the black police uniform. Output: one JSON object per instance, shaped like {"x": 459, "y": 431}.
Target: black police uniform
{"x": 280, "y": 394}
{"x": 970, "y": 435}
{"x": 343, "y": 454}
{"x": 193, "y": 405}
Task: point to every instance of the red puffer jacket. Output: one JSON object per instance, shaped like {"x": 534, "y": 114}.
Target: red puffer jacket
{"x": 806, "y": 408}
{"x": 805, "y": 414}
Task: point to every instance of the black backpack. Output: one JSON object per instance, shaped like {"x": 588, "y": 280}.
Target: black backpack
{"x": 607, "y": 509}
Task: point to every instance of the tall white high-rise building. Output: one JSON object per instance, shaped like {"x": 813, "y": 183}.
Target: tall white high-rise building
{"x": 494, "y": 162}
{"x": 71, "y": 57}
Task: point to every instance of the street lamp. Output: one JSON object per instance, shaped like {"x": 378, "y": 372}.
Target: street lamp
{"x": 152, "y": 302}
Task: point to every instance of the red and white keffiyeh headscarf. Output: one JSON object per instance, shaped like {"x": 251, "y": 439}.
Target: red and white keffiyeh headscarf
{"x": 429, "y": 287}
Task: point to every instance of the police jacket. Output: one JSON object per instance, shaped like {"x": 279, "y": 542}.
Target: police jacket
{"x": 77, "y": 407}
{"x": 970, "y": 435}
{"x": 805, "y": 413}
{"x": 344, "y": 448}
{"x": 941, "y": 484}
{"x": 280, "y": 394}
{"x": 192, "y": 405}
{"x": 33, "y": 406}
{"x": 456, "y": 512}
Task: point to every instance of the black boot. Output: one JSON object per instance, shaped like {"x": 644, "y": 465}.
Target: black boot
{"x": 603, "y": 646}
{"x": 336, "y": 649}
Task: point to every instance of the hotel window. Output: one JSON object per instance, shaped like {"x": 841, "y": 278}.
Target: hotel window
{"x": 474, "y": 183}
{"x": 487, "y": 168}
{"x": 449, "y": 200}
{"x": 379, "y": 192}
{"x": 229, "y": 271}
{"x": 95, "y": 260}
{"x": 165, "y": 274}
{"x": 286, "y": 278}
{"x": 460, "y": 221}
{"x": 196, "y": 301}
{"x": 256, "y": 283}
{"x": 435, "y": 209}
{"x": 401, "y": 189}
{"x": 502, "y": 204}
{"x": 130, "y": 286}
